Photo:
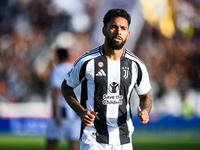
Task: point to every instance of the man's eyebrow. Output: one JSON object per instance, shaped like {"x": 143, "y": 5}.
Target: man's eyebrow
{"x": 114, "y": 25}
{"x": 124, "y": 26}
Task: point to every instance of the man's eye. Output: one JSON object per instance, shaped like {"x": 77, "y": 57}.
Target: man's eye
{"x": 113, "y": 27}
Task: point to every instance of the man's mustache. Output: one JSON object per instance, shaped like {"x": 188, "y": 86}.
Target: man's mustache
{"x": 119, "y": 37}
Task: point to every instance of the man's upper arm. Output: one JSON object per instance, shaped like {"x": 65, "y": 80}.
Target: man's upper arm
{"x": 146, "y": 95}
{"x": 65, "y": 87}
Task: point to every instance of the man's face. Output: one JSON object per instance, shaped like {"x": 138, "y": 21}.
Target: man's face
{"x": 116, "y": 32}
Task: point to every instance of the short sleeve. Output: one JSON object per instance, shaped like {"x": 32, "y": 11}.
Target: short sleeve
{"x": 73, "y": 76}
{"x": 55, "y": 82}
{"x": 142, "y": 85}
{"x": 58, "y": 73}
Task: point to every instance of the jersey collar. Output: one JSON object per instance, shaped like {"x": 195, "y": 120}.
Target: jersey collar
{"x": 101, "y": 50}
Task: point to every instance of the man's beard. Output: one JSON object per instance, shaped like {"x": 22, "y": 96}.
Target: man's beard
{"x": 113, "y": 44}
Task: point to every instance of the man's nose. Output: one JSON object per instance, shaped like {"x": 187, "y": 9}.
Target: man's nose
{"x": 118, "y": 31}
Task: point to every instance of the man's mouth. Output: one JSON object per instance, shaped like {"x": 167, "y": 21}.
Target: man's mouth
{"x": 117, "y": 38}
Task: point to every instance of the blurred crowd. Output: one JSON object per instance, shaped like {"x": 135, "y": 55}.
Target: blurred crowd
{"x": 168, "y": 43}
{"x": 29, "y": 31}
{"x": 174, "y": 62}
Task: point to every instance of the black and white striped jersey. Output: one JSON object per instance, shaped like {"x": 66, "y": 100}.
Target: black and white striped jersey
{"x": 106, "y": 89}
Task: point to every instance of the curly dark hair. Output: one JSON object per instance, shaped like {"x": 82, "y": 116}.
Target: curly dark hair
{"x": 116, "y": 13}
{"x": 62, "y": 53}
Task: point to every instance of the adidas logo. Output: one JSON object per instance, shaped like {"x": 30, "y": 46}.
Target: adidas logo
{"x": 101, "y": 73}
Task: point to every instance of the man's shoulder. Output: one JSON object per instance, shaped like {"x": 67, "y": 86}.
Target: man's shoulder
{"x": 90, "y": 54}
{"x": 130, "y": 55}
{"x": 63, "y": 65}
{"x": 93, "y": 51}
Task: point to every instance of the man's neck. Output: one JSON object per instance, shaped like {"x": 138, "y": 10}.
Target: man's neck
{"x": 111, "y": 53}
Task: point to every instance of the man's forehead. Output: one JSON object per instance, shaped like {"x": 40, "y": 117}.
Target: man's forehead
{"x": 119, "y": 21}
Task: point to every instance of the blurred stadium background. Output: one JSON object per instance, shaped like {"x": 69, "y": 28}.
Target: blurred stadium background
{"x": 165, "y": 34}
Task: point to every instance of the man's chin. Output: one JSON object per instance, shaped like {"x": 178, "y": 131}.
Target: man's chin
{"x": 116, "y": 45}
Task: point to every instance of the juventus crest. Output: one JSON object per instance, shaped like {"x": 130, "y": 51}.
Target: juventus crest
{"x": 125, "y": 72}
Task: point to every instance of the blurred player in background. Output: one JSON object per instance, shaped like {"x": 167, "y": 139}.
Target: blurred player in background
{"x": 65, "y": 124}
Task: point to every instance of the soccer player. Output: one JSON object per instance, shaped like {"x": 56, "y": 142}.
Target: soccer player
{"x": 108, "y": 74}
{"x": 65, "y": 123}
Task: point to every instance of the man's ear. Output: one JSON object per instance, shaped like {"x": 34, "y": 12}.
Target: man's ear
{"x": 104, "y": 31}
{"x": 128, "y": 34}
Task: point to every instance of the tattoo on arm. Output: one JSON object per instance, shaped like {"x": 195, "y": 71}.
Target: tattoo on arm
{"x": 146, "y": 102}
{"x": 71, "y": 99}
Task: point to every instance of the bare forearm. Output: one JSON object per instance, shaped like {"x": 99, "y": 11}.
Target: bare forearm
{"x": 55, "y": 97}
{"x": 71, "y": 99}
{"x": 146, "y": 102}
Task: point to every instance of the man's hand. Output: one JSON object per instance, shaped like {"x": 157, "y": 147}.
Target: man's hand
{"x": 88, "y": 117}
{"x": 142, "y": 115}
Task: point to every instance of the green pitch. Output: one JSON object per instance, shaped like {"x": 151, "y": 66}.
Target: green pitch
{"x": 8, "y": 142}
